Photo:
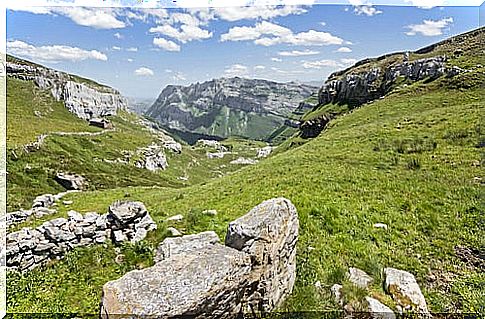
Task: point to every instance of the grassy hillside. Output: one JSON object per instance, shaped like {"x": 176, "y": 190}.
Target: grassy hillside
{"x": 32, "y": 112}
{"x": 411, "y": 160}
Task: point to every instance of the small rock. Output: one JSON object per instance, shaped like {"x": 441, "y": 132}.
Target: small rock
{"x": 119, "y": 259}
{"x": 124, "y": 212}
{"x": 75, "y": 216}
{"x": 175, "y": 218}
{"x": 67, "y": 202}
{"x": 318, "y": 284}
{"x": 359, "y": 278}
{"x": 174, "y": 232}
{"x": 119, "y": 237}
{"x": 71, "y": 181}
{"x": 404, "y": 289}
{"x": 210, "y": 212}
{"x": 378, "y": 310}
{"x": 337, "y": 294}
{"x": 380, "y": 225}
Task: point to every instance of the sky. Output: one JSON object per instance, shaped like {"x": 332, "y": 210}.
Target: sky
{"x": 141, "y": 50}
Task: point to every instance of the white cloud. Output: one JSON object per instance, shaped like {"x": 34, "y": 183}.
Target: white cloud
{"x": 53, "y": 53}
{"x": 253, "y": 33}
{"x": 91, "y": 17}
{"x": 276, "y": 34}
{"x": 236, "y": 70}
{"x": 133, "y": 49}
{"x": 259, "y": 67}
{"x": 168, "y": 70}
{"x": 344, "y": 50}
{"x": 348, "y": 61}
{"x": 298, "y": 53}
{"x": 115, "y": 48}
{"x": 429, "y": 27}
{"x": 323, "y": 23}
{"x": 319, "y": 64}
{"x": 185, "y": 34}
{"x": 426, "y": 4}
{"x": 143, "y": 71}
{"x": 118, "y": 35}
{"x": 276, "y": 60}
{"x": 255, "y": 12}
{"x": 364, "y": 7}
{"x": 129, "y": 60}
{"x": 166, "y": 44}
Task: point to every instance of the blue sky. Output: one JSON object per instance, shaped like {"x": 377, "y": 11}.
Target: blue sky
{"x": 140, "y": 51}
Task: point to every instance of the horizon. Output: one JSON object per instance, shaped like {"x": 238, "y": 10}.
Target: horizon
{"x": 141, "y": 51}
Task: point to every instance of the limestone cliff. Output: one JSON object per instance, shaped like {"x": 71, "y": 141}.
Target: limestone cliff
{"x": 84, "y": 98}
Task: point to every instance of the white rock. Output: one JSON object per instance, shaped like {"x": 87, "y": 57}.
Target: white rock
{"x": 359, "y": 277}
{"x": 67, "y": 202}
{"x": 404, "y": 289}
{"x": 175, "y": 218}
{"x": 244, "y": 161}
{"x": 75, "y": 216}
{"x": 380, "y": 225}
{"x": 337, "y": 293}
{"x": 378, "y": 310}
{"x": 210, "y": 212}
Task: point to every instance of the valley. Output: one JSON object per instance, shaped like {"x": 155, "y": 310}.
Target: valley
{"x": 395, "y": 141}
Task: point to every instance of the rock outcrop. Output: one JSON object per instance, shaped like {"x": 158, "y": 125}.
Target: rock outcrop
{"x": 71, "y": 181}
{"x": 229, "y": 106}
{"x": 152, "y": 158}
{"x": 30, "y": 248}
{"x": 82, "y": 98}
{"x": 404, "y": 289}
{"x": 198, "y": 277}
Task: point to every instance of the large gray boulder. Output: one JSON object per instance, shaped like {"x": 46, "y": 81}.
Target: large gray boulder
{"x": 404, "y": 289}
{"x": 195, "y": 275}
{"x": 210, "y": 282}
{"x": 124, "y": 212}
{"x": 71, "y": 181}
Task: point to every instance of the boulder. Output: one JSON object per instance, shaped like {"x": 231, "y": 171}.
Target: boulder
{"x": 404, "y": 289}
{"x": 71, "y": 181}
{"x": 175, "y": 218}
{"x": 188, "y": 243}
{"x": 265, "y": 151}
{"x": 124, "y": 212}
{"x": 173, "y": 232}
{"x": 46, "y": 201}
{"x": 269, "y": 233}
{"x": 337, "y": 294}
{"x": 359, "y": 278}
{"x": 210, "y": 283}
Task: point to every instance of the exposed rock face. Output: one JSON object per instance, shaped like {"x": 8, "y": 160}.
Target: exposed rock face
{"x": 405, "y": 290}
{"x": 71, "y": 181}
{"x": 312, "y": 128}
{"x": 152, "y": 158}
{"x": 228, "y": 106}
{"x": 198, "y": 277}
{"x": 82, "y": 99}
{"x": 378, "y": 310}
{"x": 29, "y": 248}
{"x": 359, "y": 88}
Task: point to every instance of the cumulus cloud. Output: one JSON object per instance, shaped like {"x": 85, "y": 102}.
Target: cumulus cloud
{"x": 267, "y": 34}
{"x": 363, "y": 7}
{"x": 53, "y": 53}
{"x": 118, "y": 35}
{"x": 344, "y": 50}
{"x": 276, "y": 60}
{"x": 426, "y": 4}
{"x": 254, "y": 12}
{"x": 132, "y": 49}
{"x": 298, "y": 53}
{"x": 144, "y": 71}
{"x": 165, "y": 44}
{"x": 259, "y": 67}
{"x": 185, "y": 34}
{"x": 97, "y": 18}
{"x": 319, "y": 64}
{"x": 115, "y": 48}
{"x": 429, "y": 28}
{"x": 236, "y": 70}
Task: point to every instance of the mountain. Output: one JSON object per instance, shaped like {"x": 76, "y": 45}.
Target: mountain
{"x": 229, "y": 106}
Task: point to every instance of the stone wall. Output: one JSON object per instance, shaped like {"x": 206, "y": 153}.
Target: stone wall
{"x": 196, "y": 276}
{"x": 29, "y": 248}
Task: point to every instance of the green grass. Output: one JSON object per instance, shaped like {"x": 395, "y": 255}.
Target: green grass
{"x": 354, "y": 175}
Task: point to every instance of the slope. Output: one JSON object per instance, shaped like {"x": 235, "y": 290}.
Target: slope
{"x": 410, "y": 160}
